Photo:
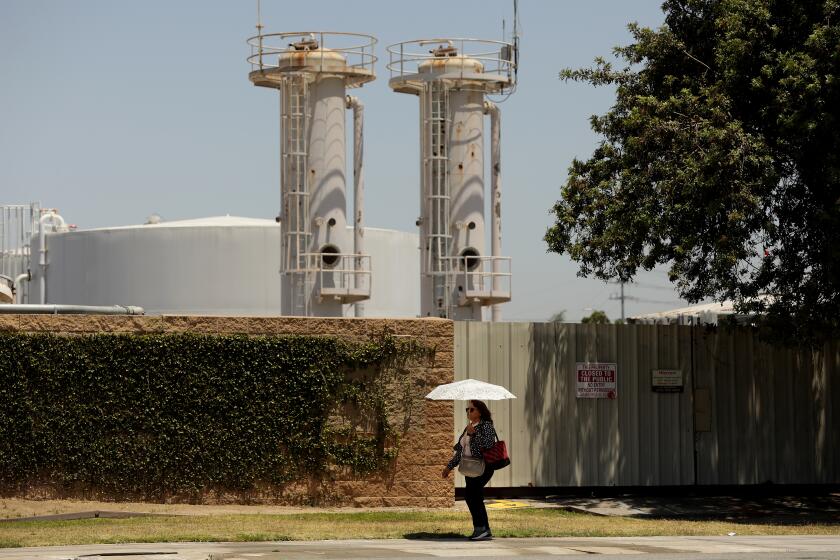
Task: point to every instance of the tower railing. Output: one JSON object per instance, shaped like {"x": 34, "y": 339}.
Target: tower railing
{"x": 496, "y": 57}
{"x": 485, "y": 280}
{"x": 357, "y": 49}
{"x": 346, "y": 277}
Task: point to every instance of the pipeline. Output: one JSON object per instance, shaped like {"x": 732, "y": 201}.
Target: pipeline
{"x": 19, "y": 285}
{"x": 496, "y": 199}
{"x": 358, "y": 186}
{"x": 53, "y": 217}
{"x": 59, "y": 309}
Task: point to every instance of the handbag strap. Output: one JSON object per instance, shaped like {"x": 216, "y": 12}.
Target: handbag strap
{"x": 461, "y": 436}
{"x": 495, "y": 433}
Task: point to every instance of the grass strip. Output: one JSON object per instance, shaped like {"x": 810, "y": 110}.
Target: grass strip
{"x": 370, "y": 525}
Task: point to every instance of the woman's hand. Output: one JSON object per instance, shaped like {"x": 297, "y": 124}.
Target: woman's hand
{"x": 446, "y": 471}
{"x": 470, "y": 429}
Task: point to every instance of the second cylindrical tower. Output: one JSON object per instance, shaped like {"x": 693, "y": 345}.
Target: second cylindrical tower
{"x": 323, "y": 266}
{"x": 458, "y": 275}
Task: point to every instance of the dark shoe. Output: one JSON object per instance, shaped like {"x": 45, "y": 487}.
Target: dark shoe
{"x": 482, "y": 535}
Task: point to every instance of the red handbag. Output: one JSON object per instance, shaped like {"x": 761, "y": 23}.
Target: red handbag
{"x": 496, "y": 457}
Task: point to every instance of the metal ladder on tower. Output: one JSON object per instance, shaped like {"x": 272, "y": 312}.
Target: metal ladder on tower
{"x": 437, "y": 161}
{"x": 297, "y": 232}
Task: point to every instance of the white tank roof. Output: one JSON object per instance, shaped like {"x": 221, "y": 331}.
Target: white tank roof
{"x": 213, "y": 221}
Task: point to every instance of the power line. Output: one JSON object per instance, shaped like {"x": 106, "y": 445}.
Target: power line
{"x": 622, "y": 297}
{"x": 644, "y": 285}
{"x": 672, "y": 301}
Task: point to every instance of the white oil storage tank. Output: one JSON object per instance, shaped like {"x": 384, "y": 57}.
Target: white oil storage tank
{"x": 209, "y": 266}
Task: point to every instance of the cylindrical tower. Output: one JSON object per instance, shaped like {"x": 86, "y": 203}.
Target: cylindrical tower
{"x": 321, "y": 270}
{"x": 458, "y": 276}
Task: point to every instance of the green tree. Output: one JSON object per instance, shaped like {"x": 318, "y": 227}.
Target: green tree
{"x": 721, "y": 159}
{"x": 597, "y": 317}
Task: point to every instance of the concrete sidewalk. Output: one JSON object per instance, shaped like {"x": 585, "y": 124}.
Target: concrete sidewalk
{"x": 571, "y": 547}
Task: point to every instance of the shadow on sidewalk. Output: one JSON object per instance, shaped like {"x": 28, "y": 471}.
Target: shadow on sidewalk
{"x": 772, "y": 510}
{"x": 437, "y": 537}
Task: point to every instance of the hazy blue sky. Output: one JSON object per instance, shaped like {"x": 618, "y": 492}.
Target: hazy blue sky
{"x": 112, "y": 110}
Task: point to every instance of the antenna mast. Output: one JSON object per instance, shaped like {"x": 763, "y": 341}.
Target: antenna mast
{"x": 515, "y": 39}
{"x": 259, "y": 35}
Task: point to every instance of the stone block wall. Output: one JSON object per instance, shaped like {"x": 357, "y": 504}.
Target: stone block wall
{"x": 425, "y": 448}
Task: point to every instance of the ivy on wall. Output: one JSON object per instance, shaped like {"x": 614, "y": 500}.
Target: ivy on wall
{"x": 166, "y": 415}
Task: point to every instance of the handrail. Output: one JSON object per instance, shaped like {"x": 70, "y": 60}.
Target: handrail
{"x": 458, "y": 259}
{"x": 483, "y": 280}
{"x": 319, "y": 266}
{"x": 266, "y": 47}
{"x": 405, "y": 57}
{"x": 349, "y": 278}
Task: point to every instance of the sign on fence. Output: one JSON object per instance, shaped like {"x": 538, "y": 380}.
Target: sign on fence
{"x": 666, "y": 380}
{"x": 596, "y": 380}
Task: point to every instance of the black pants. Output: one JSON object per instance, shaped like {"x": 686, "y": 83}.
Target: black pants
{"x": 474, "y": 496}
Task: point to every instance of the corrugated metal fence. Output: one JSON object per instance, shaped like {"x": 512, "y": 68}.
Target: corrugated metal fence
{"x": 749, "y": 412}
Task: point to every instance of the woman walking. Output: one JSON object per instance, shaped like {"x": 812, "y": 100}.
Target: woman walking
{"x": 478, "y": 436}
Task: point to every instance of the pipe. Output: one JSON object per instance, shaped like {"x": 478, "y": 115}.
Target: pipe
{"x": 358, "y": 186}
{"x": 18, "y": 288}
{"x": 42, "y": 237}
{"x": 496, "y": 200}
{"x": 56, "y": 309}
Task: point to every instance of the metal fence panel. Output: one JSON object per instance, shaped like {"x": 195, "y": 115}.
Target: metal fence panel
{"x": 774, "y": 417}
{"x": 772, "y": 413}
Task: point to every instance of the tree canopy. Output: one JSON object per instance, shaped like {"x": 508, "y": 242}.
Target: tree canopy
{"x": 597, "y": 317}
{"x": 720, "y": 159}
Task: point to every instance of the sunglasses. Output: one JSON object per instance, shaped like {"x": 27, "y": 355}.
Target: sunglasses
{"x": 469, "y": 409}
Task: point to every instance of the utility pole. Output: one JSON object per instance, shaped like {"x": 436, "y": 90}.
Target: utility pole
{"x": 622, "y": 297}
{"x": 622, "y": 301}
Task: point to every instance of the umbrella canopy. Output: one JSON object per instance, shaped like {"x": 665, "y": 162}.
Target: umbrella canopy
{"x": 469, "y": 389}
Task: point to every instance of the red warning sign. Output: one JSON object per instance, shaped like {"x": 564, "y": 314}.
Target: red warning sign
{"x": 596, "y": 380}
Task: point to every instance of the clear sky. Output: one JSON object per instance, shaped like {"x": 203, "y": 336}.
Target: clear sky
{"x": 111, "y": 110}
